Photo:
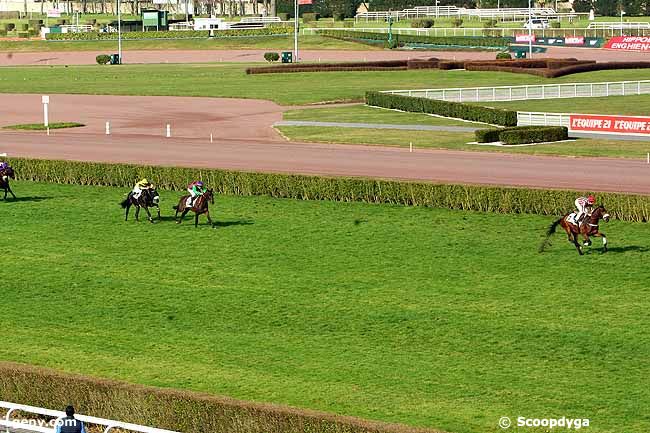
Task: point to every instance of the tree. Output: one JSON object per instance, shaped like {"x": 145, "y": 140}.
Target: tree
{"x": 582, "y": 6}
{"x": 606, "y": 7}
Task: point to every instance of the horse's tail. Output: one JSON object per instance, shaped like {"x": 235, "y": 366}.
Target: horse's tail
{"x": 550, "y": 232}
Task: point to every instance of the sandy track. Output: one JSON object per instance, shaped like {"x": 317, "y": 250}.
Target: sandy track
{"x": 244, "y": 140}
{"x": 206, "y": 56}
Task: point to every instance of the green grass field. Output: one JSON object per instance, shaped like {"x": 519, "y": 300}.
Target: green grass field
{"x": 220, "y": 80}
{"x": 630, "y": 105}
{"x": 423, "y": 316}
{"x": 42, "y": 127}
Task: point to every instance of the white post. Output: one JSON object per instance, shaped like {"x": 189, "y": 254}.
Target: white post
{"x": 648, "y": 158}
{"x": 169, "y": 130}
{"x": 411, "y": 147}
{"x": 46, "y": 102}
{"x": 210, "y": 138}
{"x": 108, "y": 128}
{"x": 530, "y": 30}
{"x": 48, "y": 130}
{"x": 295, "y": 35}
{"x": 622, "y": 13}
{"x": 119, "y": 33}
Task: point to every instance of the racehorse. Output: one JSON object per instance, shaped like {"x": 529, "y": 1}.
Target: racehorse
{"x": 148, "y": 198}
{"x": 5, "y": 175}
{"x": 588, "y": 228}
{"x": 199, "y": 207}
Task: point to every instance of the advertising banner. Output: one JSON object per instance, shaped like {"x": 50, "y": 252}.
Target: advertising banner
{"x": 609, "y": 124}
{"x": 629, "y": 43}
{"x": 525, "y": 38}
{"x": 574, "y": 40}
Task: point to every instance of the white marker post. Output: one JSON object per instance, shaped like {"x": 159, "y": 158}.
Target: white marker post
{"x": 46, "y": 102}
{"x": 210, "y": 138}
{"x": 169, "y": 130}
{"x": 108, "y": 128}
{"x": 647, "y": 160}
{"x": 411, "y": 147}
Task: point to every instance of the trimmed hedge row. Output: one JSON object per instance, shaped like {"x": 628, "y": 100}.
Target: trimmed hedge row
{"x": 589, "y": 67}
{"x": 461, "y": 197}
{"x": 184, "y": 411}
{"x": 180, "y": 34}
{"x": 493, "y": 116}
{"x": 554, "y": 67}
{"x": 466, "y": 41}
{"x": 381, "y": 65}
{"x": 523, "y": 134}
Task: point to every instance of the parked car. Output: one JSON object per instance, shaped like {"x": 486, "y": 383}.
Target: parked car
{"x": 536, "y": 23}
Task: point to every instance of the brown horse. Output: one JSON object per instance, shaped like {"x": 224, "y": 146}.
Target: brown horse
{"x": 587, "y": 229}
{"x": 5, "y": 175}
{"x": 199, "y": 207}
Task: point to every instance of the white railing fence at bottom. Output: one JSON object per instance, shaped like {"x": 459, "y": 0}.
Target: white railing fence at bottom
{"x": 36, "y": 425}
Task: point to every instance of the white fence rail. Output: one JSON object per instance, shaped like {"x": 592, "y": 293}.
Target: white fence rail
{"x": 453, "y": 11}
{"x": 496, "y": 31}
{"x": 21, "y": 424}
{"x": 263, "y": 20}
{"x": 533, "y": 118}
{"x": 617, "y": 25}
{"x": 527, "y": 92}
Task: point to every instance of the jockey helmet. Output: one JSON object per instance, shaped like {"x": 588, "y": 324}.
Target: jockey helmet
{"x": 591, "y": 199}
{"x": 199, "y": 183}
{"x": 144, "y": 181}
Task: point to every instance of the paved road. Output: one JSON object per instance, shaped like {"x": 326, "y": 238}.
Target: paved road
{"x": 248, "y": 56}
{"x": 377, "y": 126}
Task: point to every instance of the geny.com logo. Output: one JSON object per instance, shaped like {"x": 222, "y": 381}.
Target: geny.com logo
{"x": 550, "y": 423}
{"x": 60, "y": 422}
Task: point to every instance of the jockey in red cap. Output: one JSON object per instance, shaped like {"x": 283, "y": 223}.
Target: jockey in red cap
{"x": 584, "y": 205}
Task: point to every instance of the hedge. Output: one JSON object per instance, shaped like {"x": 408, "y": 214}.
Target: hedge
{"x": 461, "y": 197}
{"x": 183, "y": 411}
{"x": 180, "y": 34}
{"x": 325, "y": 67}
{"x": 534, "y": 135}
{"x": 466, "y": 41}
{"x": 523, "y": 134}
{"x": 589, "y": 67}
{"x": 493, "y": 116}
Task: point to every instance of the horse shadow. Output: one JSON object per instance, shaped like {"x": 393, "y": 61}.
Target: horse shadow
{"x": 628, "y": 248}
{"x": 218, "y": 224}
{"x": 25, "y": 199}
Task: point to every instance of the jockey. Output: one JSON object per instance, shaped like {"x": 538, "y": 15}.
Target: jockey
{"x": 3, "y": 166}
{"x": 196, "y": 189}
{"x": 584, "y": 206}
{"x": 144, "y": 184}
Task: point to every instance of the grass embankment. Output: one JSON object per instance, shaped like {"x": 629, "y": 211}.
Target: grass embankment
{"x": 231, "y": 81}
{"x": 442, "y": 140}
{"x": 279, "y": 43}
{"x": 41, "y": 127}
{"x": 423, "y": 316}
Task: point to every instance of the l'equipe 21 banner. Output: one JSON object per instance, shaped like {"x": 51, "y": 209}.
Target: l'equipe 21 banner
{"x": 609, "y": 124}
{"x": 629, "y": 43}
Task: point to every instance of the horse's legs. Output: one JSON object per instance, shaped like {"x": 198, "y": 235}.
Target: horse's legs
{"x": 602, "y": 235}
{"x": 185, "y": 211}
{"x": 10, "y": 191}
{"x": 158, "y": 208}
{"x": 148, "y": 214}
{"x": 207, "y": 214}
{"x": 196, "y": 219}
{"x": 137, "y": 213}
{"x": 576, "y": 243}
{"x": 128, "y": 207}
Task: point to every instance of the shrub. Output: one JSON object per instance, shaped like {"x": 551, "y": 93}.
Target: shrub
{"x": 23, "y": 34}
{"x": 11, "y": 27}
{"x": 338, "y": 16}
{"x": 330, "y": 67}
{"x": 456, "y": 22}
{"x": 23, "y": 27}
{"x": 504, "y": 55}
{"x": 487, "y": 135}
{"x": 422, "y": 63}
{"x": 310, "y": 17}
{"x": 534, "y": 135}
{"x": 423, "y": 23}
{"x": 392, "y": 44}
{"x": 283, "y": 16}
{"x": 588, "y": 67}
{"x": 103, "y": 59}
{"x": 3, "y": 32}
{"x": 271, "y": 57}
{"x": 493, "y": 116}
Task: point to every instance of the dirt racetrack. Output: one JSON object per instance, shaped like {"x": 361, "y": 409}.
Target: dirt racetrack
{"x": 248, "y": 56}
{"x": 244, "y": 140}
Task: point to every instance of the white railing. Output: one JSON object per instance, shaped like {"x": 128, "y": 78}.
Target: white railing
{"x": 527, "y": 92}
{"x": 107, "y": 424}
{"x": 181, "y": 26}
{"x": 453, "y": 11}
{"x": 533, "y": 118}
{"x": 72, "y": 28}
{"x": 481, "y": 31}
{"x": 617, "y": 25}
{"x": 263, "y": 20}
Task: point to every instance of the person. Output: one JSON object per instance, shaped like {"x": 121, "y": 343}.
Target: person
{"x": 144, "y": 184}
{"x": 584, "y": 206}
{"x": 69, "y": 424}
{"x": 3, "y": 165}
{"x": 196, "y": 189}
